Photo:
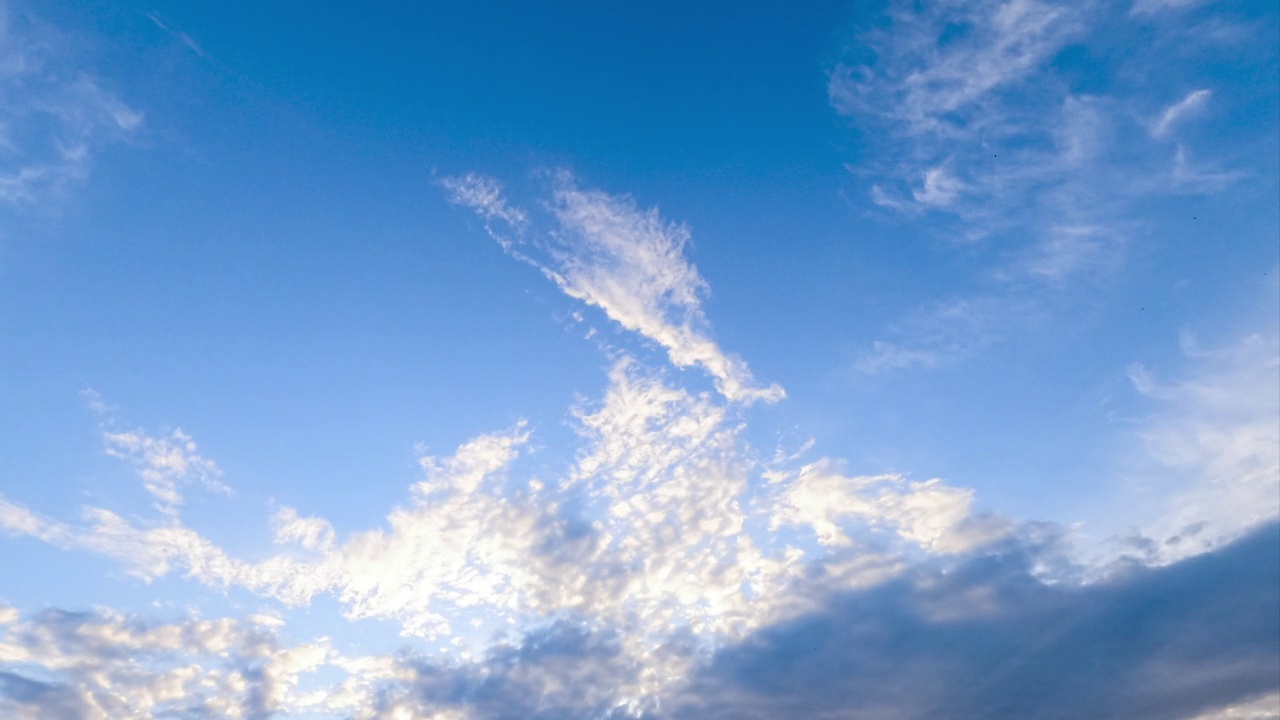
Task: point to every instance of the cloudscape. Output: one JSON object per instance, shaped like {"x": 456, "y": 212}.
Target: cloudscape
{"x": 594, "y": 361}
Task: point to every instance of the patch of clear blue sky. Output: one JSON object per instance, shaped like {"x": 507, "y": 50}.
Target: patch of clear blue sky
{"x": 269, "y": 266}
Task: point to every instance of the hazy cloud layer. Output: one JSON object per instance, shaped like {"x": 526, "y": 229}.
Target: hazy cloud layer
{"x": 53, "y": 115}
{"x": 976, "y": 130}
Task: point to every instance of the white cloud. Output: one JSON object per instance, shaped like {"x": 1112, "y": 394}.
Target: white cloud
{"x": 628, "y": 262}
{"x": 924, "y": 84}
{"x": 929, "y": 513}
{"x": 1210, "y": 468}
{"x": 1067, "y": 251}
{"x": 105, "y": 665}
{"x": 939, "y": 189}
{"x": 1187, "y": 106}
{"x": 665, "y": 535}
{"x": 483, "y": 195}
{"x": 53, "y": 114}
{"x": 165, "y": 464}
{"x": 178, "y": 35}
{"x": 631, "y": 264}
{"x": 981, "y": 138}
{"x": 648, "y": 535}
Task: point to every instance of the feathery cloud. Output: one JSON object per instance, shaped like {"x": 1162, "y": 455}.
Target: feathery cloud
{"x": 628, "y": 262}
{"x": 53, "y": 115}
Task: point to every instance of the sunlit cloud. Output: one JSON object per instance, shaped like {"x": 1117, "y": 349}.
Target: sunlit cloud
{"x": 677, "y": 541}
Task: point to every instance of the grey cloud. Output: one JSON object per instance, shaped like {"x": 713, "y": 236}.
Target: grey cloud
{"x": 983, "y": 639}
{"x": 565, "y": 671}
{"x": 989, "y": 640}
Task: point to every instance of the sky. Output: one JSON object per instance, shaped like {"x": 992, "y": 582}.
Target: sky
{"x": 605, "y": 361}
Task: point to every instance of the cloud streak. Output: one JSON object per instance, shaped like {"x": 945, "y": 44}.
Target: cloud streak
{"x": 1193, "y": 102}
{"x": 53, "y": 115}
{"x": 978, "y": 132}
{"x": 628, "y": 262}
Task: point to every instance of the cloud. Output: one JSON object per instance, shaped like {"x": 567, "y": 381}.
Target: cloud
{"x": 944, "y": 333}
{"x": 1067, "y": 250}
{"x": 976, "y": 129}
{"x": 929, "y": 86}
{"x": 54, "y": 115}
{"x": 178, "y": 35}
{"x": 1262, "y": 708}
{"x": 483, "y": 195}
{"x": 661, "y": 531}
{"x": 164, "y": 464}
{"x": 940, "y": 188}
{"x": 666, "y": 570}
{"x": 628, "y": 262}
{"x": 1192, "y": 103}
{"x": 977, "y": 638}
{"x": 987, "y": 639}
{"x": 1209, "y": 462}
{"x": 929, "y": 513}
{"x": 104, "y": 664}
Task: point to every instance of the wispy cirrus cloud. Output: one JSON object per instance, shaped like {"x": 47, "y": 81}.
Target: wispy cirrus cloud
{"x": 483, "y": 195}
{"x": 1155, "y": 7}
{"x": 178, "y": 35}
{"x": 53, "y": 114}
{"x": 628, "y": 262}
{"x": 1209, "y": 462}
{"x": 1193, "y": 102}
{"x": 984, "y": 138}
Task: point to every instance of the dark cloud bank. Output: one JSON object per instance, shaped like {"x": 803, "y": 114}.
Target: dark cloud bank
{"x": 990, "y": 641}
{"x": 985, "y": 640}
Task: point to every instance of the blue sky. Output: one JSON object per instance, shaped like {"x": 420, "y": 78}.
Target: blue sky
{"x": 869, "y": 360}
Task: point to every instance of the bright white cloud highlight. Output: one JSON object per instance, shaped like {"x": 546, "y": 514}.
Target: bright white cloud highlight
{"x": 628, "y": 262}
{"x": 1211, "y": 464}
{"x": 1192, "y": 103}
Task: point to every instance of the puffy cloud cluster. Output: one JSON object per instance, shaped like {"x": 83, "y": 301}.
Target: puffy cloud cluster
{"x": 645, "y": 536}
{"x": 106, "y": 665}
{"x": 1195, "y": 640}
